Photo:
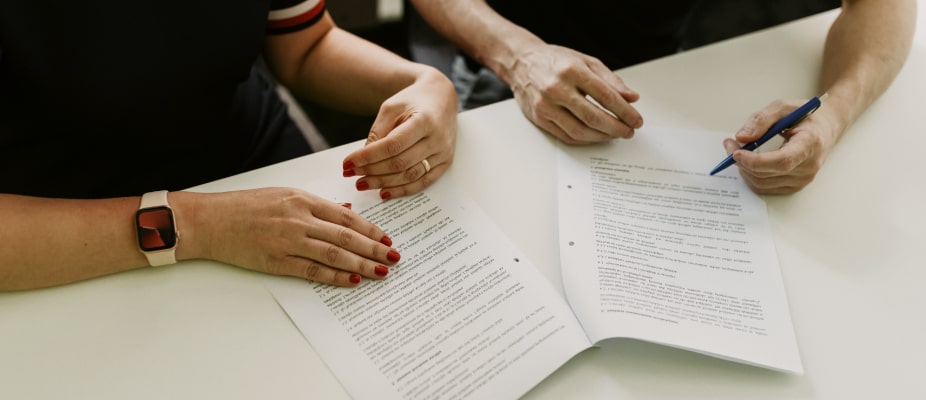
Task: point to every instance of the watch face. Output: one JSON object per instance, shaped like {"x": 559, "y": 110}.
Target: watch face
{"x": 155, "y": 228}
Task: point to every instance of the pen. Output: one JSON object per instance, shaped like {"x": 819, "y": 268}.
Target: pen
{"x": 782, "y": 125}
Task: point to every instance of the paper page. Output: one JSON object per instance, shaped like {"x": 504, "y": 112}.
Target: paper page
{"x": 463, "y": 315}
{"x": 653, "y": 248}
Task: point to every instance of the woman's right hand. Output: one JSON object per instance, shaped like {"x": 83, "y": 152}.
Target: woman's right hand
{"x": 282, "y": 231}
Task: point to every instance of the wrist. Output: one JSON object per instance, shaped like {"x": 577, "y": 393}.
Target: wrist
{"x": 187, "y": 216}
{"x": 508, "y": 58}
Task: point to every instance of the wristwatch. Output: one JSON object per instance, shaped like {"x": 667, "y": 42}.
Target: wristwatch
{"x": 156, "y": 229}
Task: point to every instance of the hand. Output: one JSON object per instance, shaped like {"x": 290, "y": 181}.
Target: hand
{"x": 795, "y": 164}
{"x": 284, "y": 231}
{"x": 550, "y": 84}
{"x": 412, "y": 140}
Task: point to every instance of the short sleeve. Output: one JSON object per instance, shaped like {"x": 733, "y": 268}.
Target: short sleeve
{"x": 292, "y": 15}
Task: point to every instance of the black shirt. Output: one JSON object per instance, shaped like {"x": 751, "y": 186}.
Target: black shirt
{"x": 617, "y": 32}
{"x": 102, "y": 98}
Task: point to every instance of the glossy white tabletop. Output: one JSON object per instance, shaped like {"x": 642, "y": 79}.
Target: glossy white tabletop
{"x": 849, "y": 246}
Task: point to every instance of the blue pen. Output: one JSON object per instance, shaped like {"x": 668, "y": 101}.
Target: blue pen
{"x": 782, "y": 125}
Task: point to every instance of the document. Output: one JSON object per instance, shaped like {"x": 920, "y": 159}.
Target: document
{"x": 652, "y": 249}
{"x": 655, "y": 249}
{"x": 464, "y": 315}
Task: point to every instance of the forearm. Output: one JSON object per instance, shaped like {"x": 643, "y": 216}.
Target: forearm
{"x": 48, "y": 242}
{"x": 480, "y": 32}
{"x": 345, "y": 72}
{"x": 52, "y": 241}
{"x": 865, "y": 49}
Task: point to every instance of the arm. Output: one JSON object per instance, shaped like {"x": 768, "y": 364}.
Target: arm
{"x": 549, "y": 82}
{"x": 865, "y": 49}
{"x": 417, "y": 103}
{"x": 49, "y": 242}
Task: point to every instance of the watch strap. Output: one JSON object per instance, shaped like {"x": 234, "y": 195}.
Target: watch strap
{"x": 159, "y": 257}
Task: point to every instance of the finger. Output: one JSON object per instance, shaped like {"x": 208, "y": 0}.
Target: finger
{"x": 389, "y": 135}
{"x": 730, "y": 145}
{"x": 759, "y": 122}
{"x": 342, "y": 217}
{"x": 775, "y": 184}
{"x": 315, "y": 271}
{"x": 615, "y": 82}
{"x": 571, "y": 129}
{"x": 412, "y": 174}
{"x": 371, "y": 137}
{"x": 771, "y": 163}
{"x": 395, "y": 153}
{"x": 417, "y": 185}
{"x": 609, "y": 91}
{"x": 599, "y": 120}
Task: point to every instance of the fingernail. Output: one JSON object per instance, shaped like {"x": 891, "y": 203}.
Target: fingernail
{"x": 349, "y": 173}
{"x": 346, "y": 205}
{"x": 362, "y": 185}
{"x": 348, "y": 165}
{"x": 381, "y": 270}
{"x": 393, "y": 256}
{"x": 385, "y": 195}
{"x": 354, "y": 278}
{"x": 386, "y": 241}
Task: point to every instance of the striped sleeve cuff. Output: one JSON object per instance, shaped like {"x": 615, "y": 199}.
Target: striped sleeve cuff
{"x": 294, "y": 15}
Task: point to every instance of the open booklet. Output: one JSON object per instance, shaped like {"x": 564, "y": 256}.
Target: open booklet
{"x": 465, "y": 314}
{"x": 656, "y": 249}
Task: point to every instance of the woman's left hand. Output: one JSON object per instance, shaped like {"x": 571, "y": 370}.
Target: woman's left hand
{"x": 412, "y": 140}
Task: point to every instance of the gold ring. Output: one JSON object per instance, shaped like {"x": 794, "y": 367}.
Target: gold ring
{"x": 427, "y": 166}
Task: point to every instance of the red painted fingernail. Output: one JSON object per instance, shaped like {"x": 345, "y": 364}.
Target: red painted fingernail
{"x": 346, "y": 205}
{"x": 385, "y": 195}
{"x": 393, "y": 256}
{"x": 354, "y": 278}
{"x": 386, "y": 241}
{"x": 348, "y": 165}
{"x": 349, "y": 173}
{"x": 362, "y": 185}
{"x": 381, "y": 270}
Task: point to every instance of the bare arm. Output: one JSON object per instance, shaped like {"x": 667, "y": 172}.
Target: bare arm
{"x": 279, "y": 231}
{"x": 416, "y": 104}
{"x": 339, "y": 69}
{"x": 50, "y": 241}
{"x": 865, "y": 49}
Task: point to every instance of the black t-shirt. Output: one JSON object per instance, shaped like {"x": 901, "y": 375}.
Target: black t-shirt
{"x": 617, "y": 32}
{"x": 104, "y": 98}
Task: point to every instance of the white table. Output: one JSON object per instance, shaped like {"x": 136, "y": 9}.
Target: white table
{"x": 850, "y": 247}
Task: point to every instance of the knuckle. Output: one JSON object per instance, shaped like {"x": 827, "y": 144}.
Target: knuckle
{"x": 568, "y": 70}
{"x": 574, "y": 131}
{"x": 412, "y": 174}
{"x": 591, "y": 118}
{"x": 344, "y": 237}
{"x": 393, "y": 147}
{"x": 815, "y": 164}
{"x": 347, "y": 216}
{"x": 550, "y": 89}
{"x": 398, "y": 163}
{"x": 312, "y": 270}
{"x": 331, "y": 254}
{"x": 786, "y": 164}
{"x": 426, "y": 181}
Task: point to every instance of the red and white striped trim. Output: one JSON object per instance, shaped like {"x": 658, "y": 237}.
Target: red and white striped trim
{"x": 307, "y": 6}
